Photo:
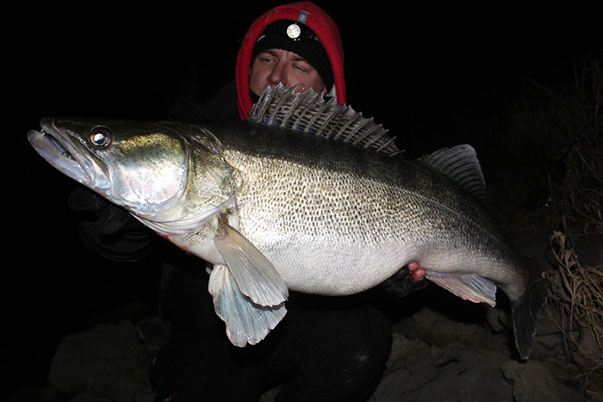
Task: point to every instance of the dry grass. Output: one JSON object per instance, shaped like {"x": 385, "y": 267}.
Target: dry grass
{"x": 575, "y": 304}
{"x": 558, "y": 135}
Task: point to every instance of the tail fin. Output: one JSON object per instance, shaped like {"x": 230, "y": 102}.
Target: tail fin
{"x": 524, "y": 313}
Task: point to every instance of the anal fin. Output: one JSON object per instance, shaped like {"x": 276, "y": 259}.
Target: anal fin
{"x": 246, "y": 322}
{"x": 466, "y": 286}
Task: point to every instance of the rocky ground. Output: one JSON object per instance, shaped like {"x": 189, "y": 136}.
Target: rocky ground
{"x": 436, "y": 355}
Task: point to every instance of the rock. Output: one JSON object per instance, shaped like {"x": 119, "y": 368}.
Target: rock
{"x": 107, "y": 361}
{"x": 451, "y": 373}
{"x": 497, "y": 319}
{"x": 409, "y": 368}
{"x": 588, "y": 355}
{"x": 532, "y": 381}
{"x": 401, "y": 348}
{"x": 437, "y": 329}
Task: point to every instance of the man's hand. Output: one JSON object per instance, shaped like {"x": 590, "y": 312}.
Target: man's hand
{"x": 408, "y": 279}
{"x": 415, "y": 273}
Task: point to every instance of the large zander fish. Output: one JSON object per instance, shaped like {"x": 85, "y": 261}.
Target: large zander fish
{"x": 307, "y": 195}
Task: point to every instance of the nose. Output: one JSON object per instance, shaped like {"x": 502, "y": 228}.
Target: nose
{"x": 277, "y": 75}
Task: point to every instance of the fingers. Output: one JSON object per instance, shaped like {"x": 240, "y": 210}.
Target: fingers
{"x": 416, "y": 273}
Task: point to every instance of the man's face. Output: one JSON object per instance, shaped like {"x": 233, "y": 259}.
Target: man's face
{"x": 274, "y": 66}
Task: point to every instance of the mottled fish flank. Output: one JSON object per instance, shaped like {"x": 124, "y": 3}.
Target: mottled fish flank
{"x": 307, "y": 195}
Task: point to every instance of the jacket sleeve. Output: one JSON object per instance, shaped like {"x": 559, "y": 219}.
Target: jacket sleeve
{"x": 107, "y": 229}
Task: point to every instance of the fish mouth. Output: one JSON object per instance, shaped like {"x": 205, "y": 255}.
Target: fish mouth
{"x": 67, "y": 154}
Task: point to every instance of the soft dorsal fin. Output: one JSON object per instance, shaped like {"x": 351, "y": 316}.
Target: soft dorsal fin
{"x": 461, "y": 164}
{"x": 311, "y": 113}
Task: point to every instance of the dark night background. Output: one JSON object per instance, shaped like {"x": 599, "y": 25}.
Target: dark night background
{"x": 422, "y": 73}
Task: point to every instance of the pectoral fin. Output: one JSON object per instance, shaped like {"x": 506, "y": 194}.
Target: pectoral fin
{"x": 246, "y": 322}
{"x": 468, "y": 286}
{"x": 256, "y": 277}
{"x": 248, "y": 292}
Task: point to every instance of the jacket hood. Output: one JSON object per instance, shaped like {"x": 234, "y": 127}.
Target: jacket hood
{"x": 305, "y": 13}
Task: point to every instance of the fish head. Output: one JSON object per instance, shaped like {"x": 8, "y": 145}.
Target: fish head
{"x": 169, "y": 175}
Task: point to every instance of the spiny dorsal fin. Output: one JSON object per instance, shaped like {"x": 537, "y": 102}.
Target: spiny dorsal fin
{"x": 309, "y": 112}
{"x": 461, "y": 164}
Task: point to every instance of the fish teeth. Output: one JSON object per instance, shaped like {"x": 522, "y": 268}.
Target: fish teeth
{"x": 57, "y": 144}
{"x": 59, "y": 147}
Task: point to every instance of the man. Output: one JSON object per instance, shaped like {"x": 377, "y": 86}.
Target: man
{"x": 269, "y": 56}
{"x": 298, "y": 30}
{"x": 325, "y": 348}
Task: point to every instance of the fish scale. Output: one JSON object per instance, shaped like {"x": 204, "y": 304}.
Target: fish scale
{"x": 364, "y": 210}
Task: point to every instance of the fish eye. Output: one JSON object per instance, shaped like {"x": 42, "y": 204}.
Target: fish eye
{"x": 100, "y": 136}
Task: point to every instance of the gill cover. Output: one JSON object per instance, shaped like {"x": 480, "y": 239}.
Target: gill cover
{"x": 205, "y": 182}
